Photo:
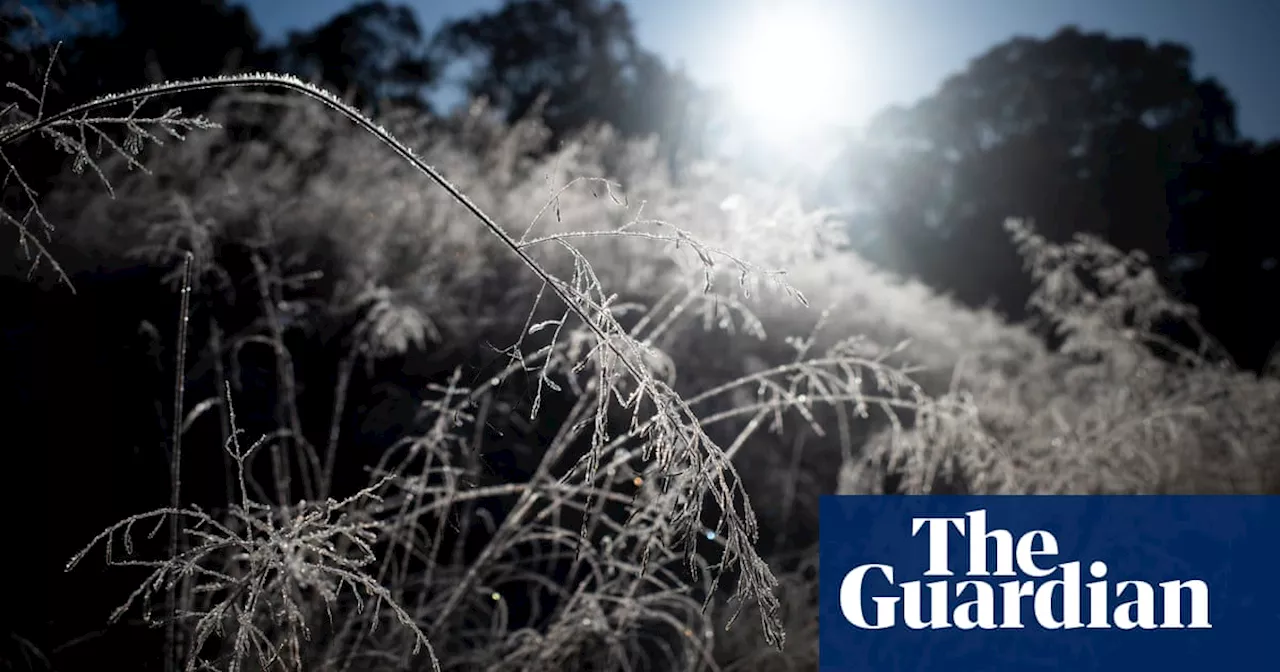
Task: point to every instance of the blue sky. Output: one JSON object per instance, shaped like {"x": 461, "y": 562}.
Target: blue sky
{"x": 904, "y": 48}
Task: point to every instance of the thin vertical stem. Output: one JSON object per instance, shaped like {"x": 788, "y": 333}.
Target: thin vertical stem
{"x": 175, "y": 462}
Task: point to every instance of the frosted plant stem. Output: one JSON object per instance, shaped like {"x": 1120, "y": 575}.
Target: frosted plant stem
{"x": 175, "y": 462}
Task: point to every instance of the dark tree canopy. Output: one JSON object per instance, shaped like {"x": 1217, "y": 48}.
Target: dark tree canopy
{"x": 373, "y": 52}
{"x": 1230, "y": 226}
{"x": 580, "y": 53}
{"x": 1080, "y": 132}
{"x": 154, "y": 41}
{"x": 579, "y": 59}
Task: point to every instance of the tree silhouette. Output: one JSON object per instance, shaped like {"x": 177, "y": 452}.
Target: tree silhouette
{"x": 373, "y": 52}
{"x": 577, "y": 52}
{"x": 141, "y": 41}
{"x": 1228, "y": 227}
{"x": 1080, "y": 132}
{"x": 582, "y": 60}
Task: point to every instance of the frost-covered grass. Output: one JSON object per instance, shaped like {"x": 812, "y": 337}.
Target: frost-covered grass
{"x": 677, "y": 400}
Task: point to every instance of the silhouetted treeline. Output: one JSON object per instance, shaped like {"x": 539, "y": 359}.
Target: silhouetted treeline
{"x": 579, "y": 57}
{"x": 1081, "y": 133}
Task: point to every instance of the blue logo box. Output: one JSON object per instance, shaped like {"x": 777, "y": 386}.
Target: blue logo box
{"x": 960, "y": 584}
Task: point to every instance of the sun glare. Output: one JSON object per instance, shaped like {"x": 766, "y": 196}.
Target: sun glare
{"x": 790, "y": 68}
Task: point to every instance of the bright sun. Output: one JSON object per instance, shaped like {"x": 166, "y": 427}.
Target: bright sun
{"x": 789, "y": 69}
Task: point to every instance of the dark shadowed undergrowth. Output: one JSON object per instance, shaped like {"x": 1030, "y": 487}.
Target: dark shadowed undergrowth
{"x": 355, "y": 420}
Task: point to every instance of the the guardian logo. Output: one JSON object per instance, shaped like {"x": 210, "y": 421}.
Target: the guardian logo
{"x": 1039, "y": 590}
